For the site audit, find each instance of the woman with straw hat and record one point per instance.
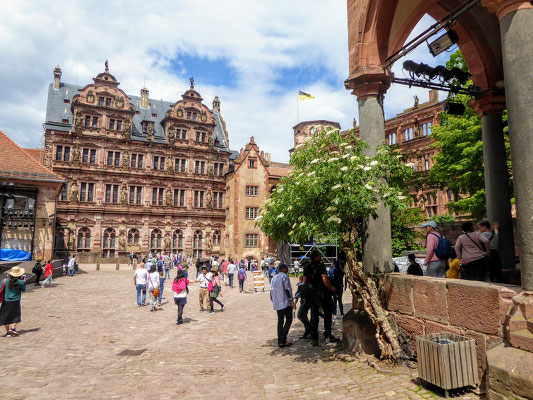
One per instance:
(11, 288)
(215, 291)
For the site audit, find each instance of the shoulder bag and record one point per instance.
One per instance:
(155, 292)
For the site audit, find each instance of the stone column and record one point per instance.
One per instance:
(490, 108)
(516, 27)
(369, 88)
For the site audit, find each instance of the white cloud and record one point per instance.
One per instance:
(256, 38)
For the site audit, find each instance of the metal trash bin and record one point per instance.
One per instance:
(447, 360)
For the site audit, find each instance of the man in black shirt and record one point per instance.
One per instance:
(319, 295)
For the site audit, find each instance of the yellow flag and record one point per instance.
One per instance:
(305, 96)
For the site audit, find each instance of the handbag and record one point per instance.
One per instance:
(155, 292)
(3, 291)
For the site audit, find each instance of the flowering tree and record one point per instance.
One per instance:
(334, 187)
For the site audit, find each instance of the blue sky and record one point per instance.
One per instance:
(253, 54)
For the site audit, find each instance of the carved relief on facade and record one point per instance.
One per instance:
(74, 193)
(126, 160)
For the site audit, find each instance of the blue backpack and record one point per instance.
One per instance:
(444, 247)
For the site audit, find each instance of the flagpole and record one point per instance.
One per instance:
(297, 105)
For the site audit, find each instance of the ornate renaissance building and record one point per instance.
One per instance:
(141, 174)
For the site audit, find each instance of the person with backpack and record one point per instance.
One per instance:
(215, 290)
(180, 289)
(11, 289)
(160, 265)
(231, 272)
(271, 272)
(496, 266)
(241, 274)
(437, 251)
(337, 279)
(473, 249)
(38, 271)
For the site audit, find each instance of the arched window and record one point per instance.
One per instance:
(216, 238)
(108, 246)
(155, 241)
(177, 242)
(197, 245)
(133, 236)
(84, 239)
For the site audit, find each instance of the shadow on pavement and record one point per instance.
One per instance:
(23, 331)
(303, 351)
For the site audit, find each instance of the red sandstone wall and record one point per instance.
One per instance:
(422, 305)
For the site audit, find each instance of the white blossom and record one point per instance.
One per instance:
(367, 168)
(338, 186)
(353, 158)
(334, 219)
(402, 197)
(335, 200)
(374, 163)
(258, 217)
(344, 144)
(346, 156)
(361, 166)
(349, 147)
(410, 165)
(331, 208)
(281, 216)
(333, 159)
(289, 208)
(303, 224)
(368, 186)
(315, 161)
(299, 146)
(344, 169)
(311, 173)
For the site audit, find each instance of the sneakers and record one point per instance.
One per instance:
(223, 308)
(210, 312)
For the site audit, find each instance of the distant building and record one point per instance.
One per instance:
(29, 192)
(249, 183)
(141, 174)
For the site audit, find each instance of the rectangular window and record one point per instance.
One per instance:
(100, 101)
(424, 129)
(215, 168)
(64, 192)
(252, 163)
(197, 167)
(133, 161)
(179, 165)
(119, 125)
(83, 191)
(115, 193)
(85, 156)
(162, 164)
(95, 122)
(189, 115)
(161, 196)
(197, 136)
(108, 102)
(109, 158)
(156, 162)
(135, 195)
(252, 190)
(251, 240)
(157, 196)
(429, 128)
(183, 134)
(410, 133)
(140, 161)
(194, 115)
(117, 159)
(199, 198)
(179, 197)
(66, 155)
(182, 198)
(108, 189)
(90, 192)
(112, 124)
(252, 212)
(145, 127)
(132, 194)
(87, 121)
(59, 153)
(427, 165)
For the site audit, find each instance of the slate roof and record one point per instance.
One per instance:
(17, 163)
(57, 110)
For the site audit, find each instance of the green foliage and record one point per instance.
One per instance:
(443, 218)
(333, 187)
(404, 237)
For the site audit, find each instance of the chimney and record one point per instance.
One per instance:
(216, 105)
(433, 96)
(57, 77)
(144, 98)
(267, 157)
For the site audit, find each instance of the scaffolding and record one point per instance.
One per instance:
(290, 252)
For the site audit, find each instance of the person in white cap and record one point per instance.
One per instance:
(12, 287)
(435, 266)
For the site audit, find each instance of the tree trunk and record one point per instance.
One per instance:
(364, 288)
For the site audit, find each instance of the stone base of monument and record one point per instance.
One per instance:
(359, 333)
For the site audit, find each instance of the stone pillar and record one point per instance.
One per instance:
(369, 88)
(490, 108)
(517, 47)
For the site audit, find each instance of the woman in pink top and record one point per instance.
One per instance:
(473, 250)
(180, 289)
(216, 289)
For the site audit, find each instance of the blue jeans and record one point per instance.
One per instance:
(48, 279)
(71, 272)
(230, 276)
(241, 284)
(139, 289)
(161, 287)
(167, 273)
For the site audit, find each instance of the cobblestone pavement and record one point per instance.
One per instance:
(85, 338)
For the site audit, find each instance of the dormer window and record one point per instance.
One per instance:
(154, 115)
(194, 115)
(108, 102)
(145, 127)
(100, 101)
(252, 163)
(189, 114)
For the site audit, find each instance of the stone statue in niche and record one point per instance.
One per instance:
(171, 135)
(417, 128)
(78, 123)
(74, 193)
(210, 169)
(124, 195)
(150, 136)
(76, 155)
(209, 200)
(211, 141)
(167, 242)
(126, 160)
(169, 198)
(127, 130)
(122, 242)
(208, 242)
(168, 166)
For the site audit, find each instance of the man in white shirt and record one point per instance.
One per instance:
(231, 272)
(283, 303)
(139, 278)
(204, 280)
(71, 267)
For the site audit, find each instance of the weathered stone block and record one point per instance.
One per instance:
(435, 327)
(499, 366)
(399, 295)
(474, 305)
(430, 299)
(481, 351)
(522, 376)
(411, 327)
(359, 333)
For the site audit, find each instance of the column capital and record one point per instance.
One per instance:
(367, 83)
(502, 8)
(491, 102)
